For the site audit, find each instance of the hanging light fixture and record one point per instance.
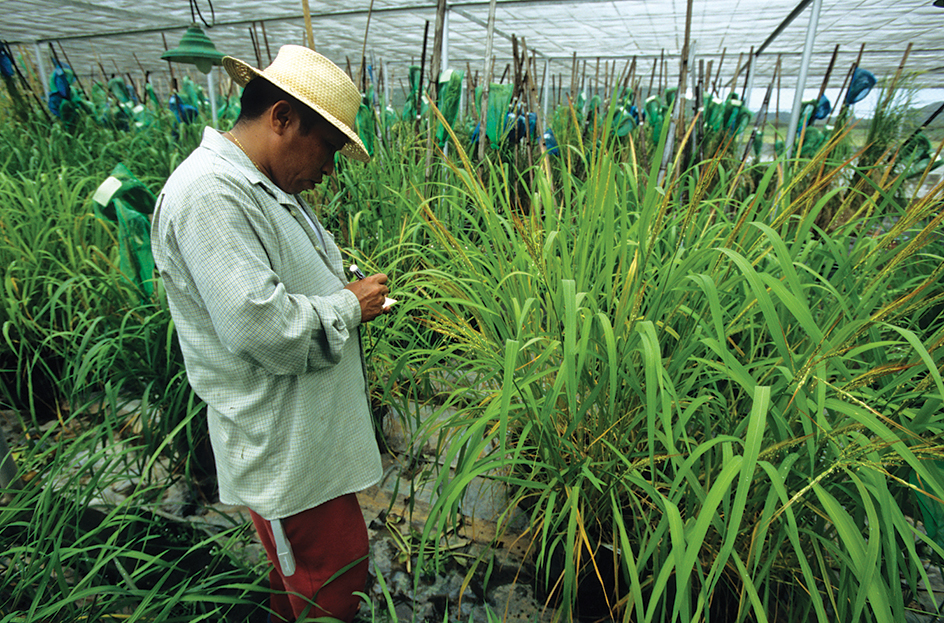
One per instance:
(195, 48)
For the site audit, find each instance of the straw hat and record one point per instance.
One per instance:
(316, 82)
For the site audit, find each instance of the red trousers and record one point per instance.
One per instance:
(324, 540)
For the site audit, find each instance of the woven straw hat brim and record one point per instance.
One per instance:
(242, 72)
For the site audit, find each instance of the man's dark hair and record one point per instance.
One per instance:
(259, 95)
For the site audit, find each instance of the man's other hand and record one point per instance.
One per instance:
(371, 292)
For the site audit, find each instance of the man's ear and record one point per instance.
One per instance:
(281, 116)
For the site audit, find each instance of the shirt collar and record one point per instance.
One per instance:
(229, 151)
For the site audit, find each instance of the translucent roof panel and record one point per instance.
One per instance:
(128, 37)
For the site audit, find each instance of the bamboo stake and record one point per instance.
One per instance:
(255, 45)
(573, 77)
(714, 85)
(419, 90)
(69, 63)
(515, 76)
(890, 91)
(539, 128)
(596, 78)
(661, 70)
(308, 31)
(528, 87)
(679, 94)
(711, 63)
(434, 78)
(361, 73)
(699, 106)
(777, 117)
(737, 73)
(489, 67)
(847, 82)
(266, 39)
(173, 79)
(762, 117)
(652, 78)
(141, 67)
(829, 70)
(747, 75)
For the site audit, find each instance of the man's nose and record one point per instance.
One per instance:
(328, 168)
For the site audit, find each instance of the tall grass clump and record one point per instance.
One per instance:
(91, 369)
(76, 330)
(705, 405)
(76, 544)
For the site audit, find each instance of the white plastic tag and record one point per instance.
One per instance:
(107, 188)
(283, 548)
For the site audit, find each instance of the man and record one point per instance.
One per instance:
(268, 326)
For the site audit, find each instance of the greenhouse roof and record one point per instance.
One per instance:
(129, 36)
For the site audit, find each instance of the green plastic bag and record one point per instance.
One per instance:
(365, 127)
(414, 105)
(499, 99)
(448, 94)
(124, 200)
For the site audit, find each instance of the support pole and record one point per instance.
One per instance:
(445, 41)
(547, 86)
(801, 81)
(211, 89)
(746, 96)
(386, 84)
(44, 86)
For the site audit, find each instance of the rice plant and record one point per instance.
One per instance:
(713, 401)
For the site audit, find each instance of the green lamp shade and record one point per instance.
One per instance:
(195, 48)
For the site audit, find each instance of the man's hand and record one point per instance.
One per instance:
(371, 292)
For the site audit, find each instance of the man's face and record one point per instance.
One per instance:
(307, 158)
